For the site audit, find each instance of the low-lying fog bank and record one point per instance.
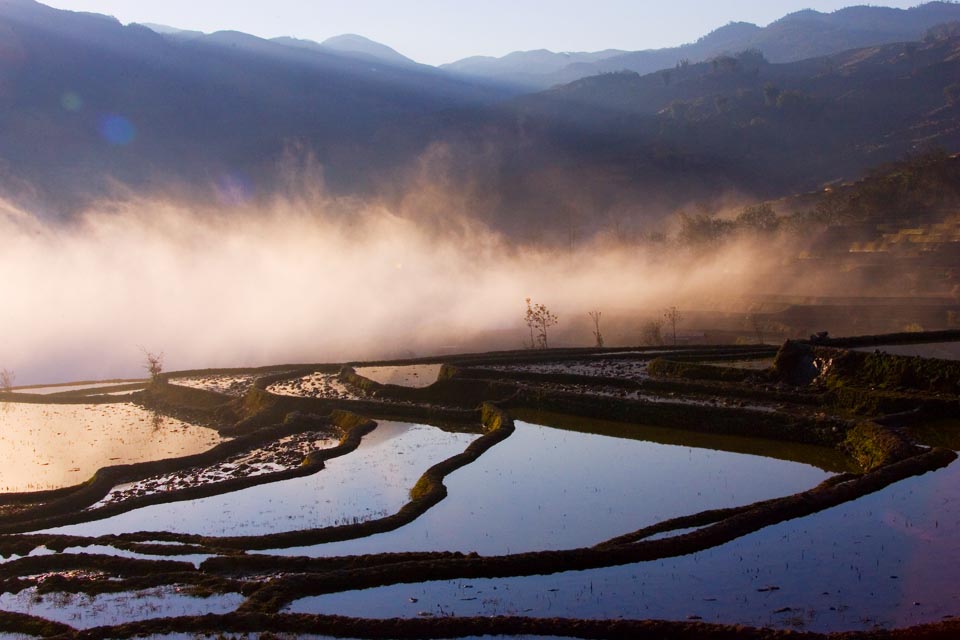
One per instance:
(312, 278)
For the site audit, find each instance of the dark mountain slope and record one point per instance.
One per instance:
(622, 147)
(85, 101)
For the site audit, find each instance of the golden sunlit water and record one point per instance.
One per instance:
(48, 446)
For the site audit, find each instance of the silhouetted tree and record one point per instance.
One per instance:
(539, 319)
(595, 316)
(672, 315)
(6, 380)
(153, 363)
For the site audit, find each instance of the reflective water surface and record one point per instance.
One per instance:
(889, 559)
(415, 375)
(547, 488)
(46, 446)
(371, 482)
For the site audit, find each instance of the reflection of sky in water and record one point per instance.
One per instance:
(416, 375)
(942, 350)
(890, 559)
(83, 611)
(45, 391)
(546, 488)
(45, 446)
(371, 482)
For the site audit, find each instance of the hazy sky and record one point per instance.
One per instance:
(438, 31)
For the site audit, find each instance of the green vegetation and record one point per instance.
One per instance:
(873, 446)
(662, 367)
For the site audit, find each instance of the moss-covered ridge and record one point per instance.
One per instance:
(871, 383)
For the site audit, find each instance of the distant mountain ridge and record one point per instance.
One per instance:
(87, 104)
(797, 36)
(350, 45)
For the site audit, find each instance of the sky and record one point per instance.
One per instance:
(439, 31)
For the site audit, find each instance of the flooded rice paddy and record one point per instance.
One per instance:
(843, 522)
(47, 446)
(941, 350)
(547, 488)
(66, 388)
(889, 559)
(415, 375)
(83, 612)
(372, 482)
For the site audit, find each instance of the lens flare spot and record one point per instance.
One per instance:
(71, 101)
(117, 130)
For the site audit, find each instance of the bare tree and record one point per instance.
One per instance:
(6, 380)
(595, 316)
(539, 319)
(672, 315)
(153, 363)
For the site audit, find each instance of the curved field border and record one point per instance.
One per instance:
(888, 457)
(65, 506)
(328, 575)
(719, 526)
(872, 383)
(692, 387)
(923, 337)
(727, 525)
(456, 387)
(428, 491)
